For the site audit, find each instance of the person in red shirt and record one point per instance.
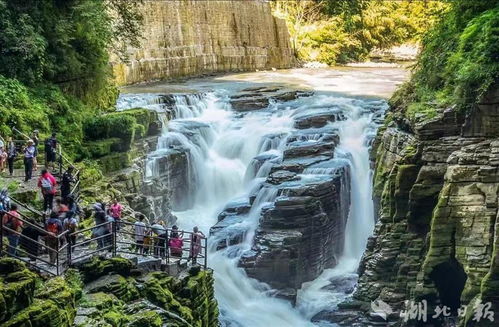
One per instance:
(12, 226)
(47, 184)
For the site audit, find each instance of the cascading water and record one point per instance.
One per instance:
(355, 134)
(230, 155)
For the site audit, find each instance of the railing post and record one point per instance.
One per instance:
(70, 248)
(57, 256)
(1, 232)
(115, 234)
(205, 253)
(78, 183)
(166, 246)
(60, 163)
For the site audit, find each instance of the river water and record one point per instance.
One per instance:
(222, 145)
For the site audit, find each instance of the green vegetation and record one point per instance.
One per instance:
(332, 31)
(459, 61)
(54, 71)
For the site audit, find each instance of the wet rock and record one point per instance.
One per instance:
(436, 185)
(249, 103)
(171, 182)
(235, 207)
(288, 294)
(342, 284)
(282, 176)
(315, 118)
(228, 231)
(324, 134)
(301, 233)
(266, 158)
(258, 98)
(308, 149)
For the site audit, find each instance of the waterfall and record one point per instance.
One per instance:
(229, 157)
(355, 139)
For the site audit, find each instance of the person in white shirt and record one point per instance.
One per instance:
(140, 232)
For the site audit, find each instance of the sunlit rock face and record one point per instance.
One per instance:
(189, 38)
(436, 184)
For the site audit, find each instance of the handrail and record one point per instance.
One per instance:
(63, 251)
(27, 207)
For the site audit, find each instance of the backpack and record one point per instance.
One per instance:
(10, 223)
(46, 185)
(53, 228)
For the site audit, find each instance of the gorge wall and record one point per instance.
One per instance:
(436, 184)
(189, 38)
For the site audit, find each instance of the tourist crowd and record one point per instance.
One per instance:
(9, 151)
(61, 214)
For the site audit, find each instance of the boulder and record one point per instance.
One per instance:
(302, 233)
(315, 118)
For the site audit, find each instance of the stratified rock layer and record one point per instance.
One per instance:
(187, 38)
(437, 185)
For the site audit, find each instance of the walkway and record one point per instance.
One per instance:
(58, 253)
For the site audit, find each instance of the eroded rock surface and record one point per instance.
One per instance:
(436, 185)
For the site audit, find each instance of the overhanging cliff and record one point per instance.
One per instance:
(190, 38)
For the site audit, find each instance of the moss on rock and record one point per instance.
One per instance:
(146, 319)
(98, 267)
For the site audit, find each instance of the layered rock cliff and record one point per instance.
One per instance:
(437, 185)
(189, 38)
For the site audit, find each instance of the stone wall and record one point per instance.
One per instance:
(437, 185)
(189, 38)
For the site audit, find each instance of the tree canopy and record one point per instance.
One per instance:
(340, 31)
(62, 41)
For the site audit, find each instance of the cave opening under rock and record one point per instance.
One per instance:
(449, 278)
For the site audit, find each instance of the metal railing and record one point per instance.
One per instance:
(49, 257)
(62, 161)
(59, 252)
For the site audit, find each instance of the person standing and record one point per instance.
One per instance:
(67, 179)
(29, 242)
(101, 230)
(36, 141)
(140, 232)
(176, 242)
(12, 225)
(70, 224)
(74, 209)
(160, 240)
(54, 228)
(196, 246)
(115, 211)
(11, 155)
(50, 151)
(29, 153)
(47, 184)
(3, 158)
